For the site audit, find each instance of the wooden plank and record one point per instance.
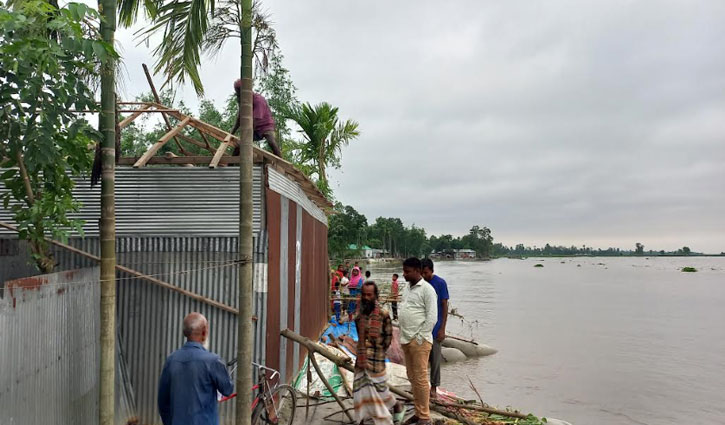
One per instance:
(128, 120)
(165, 138)
(195, 160)
(220, 152)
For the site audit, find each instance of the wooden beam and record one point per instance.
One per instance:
(220, 134)
(128, 120)
(158, 100)
(203, 136)
(195, 160)
(162, 141)
(220, 152)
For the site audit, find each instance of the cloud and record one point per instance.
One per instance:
(563, 122)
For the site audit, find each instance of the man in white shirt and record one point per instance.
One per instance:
(417, 317)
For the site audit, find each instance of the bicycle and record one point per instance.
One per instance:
(272, 404)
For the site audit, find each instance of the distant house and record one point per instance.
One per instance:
(462, 254)
(368, 252)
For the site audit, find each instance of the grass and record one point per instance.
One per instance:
(689, 269)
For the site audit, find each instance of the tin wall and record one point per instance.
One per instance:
(297, 291)
(49, 355)
(167, 201)
(150, 317)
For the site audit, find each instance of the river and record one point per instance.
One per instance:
(592, 340)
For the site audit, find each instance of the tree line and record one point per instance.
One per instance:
(348, 227)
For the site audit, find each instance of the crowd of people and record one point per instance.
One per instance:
(421, 312)
(192, 376)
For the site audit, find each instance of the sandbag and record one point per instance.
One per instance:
(469, 349)
(451, 355)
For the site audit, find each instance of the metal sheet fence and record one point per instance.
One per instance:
(150, 317)
(49, 333)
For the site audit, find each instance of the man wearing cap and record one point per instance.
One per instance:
(263, 121)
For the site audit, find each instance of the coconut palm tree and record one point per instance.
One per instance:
(191, 29)
(324, 136)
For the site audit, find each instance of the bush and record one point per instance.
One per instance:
(689, 269)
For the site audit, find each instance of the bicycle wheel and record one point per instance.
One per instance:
(279, 409)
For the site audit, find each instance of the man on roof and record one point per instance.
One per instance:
(263, 121)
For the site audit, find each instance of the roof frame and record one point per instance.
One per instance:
(219, 153)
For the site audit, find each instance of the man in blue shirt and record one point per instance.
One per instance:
(439, 331)
(191, 378)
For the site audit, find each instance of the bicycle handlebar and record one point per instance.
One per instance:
(258, 366)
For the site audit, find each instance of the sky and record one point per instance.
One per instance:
(567, 122)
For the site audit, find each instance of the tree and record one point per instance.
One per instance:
(346, 226)
(686, 250)
(43, 143)
(191, 29)
(639, 248)
(480, 240)
(324, 136)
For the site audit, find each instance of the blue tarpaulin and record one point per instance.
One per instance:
(335, 330)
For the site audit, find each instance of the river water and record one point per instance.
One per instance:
(592, 340)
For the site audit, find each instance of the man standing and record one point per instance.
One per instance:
(191, 378)
(418, 312)
(439, 330)
(371, 396)
(262, 120)
(394, 289)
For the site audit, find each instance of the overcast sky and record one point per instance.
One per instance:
(600, 123)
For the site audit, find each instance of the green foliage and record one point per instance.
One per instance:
(190, 29)
(324, 136)
(538, 265)
(44, 54)
(689, 269)
(345, 226)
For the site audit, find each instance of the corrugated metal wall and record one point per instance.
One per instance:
(168, 201)
(49, 355)
(150, 317)
(298, 286)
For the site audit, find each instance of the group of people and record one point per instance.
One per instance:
(422, 319)
(345, 286)
(193, 375)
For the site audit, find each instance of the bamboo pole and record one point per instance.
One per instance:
(245, 337)
(107, 127)
(329, 387)
(439, 407)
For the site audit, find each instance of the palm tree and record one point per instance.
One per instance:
(192, 28)
(324, 136)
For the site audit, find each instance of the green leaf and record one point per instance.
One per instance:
(100, 51)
